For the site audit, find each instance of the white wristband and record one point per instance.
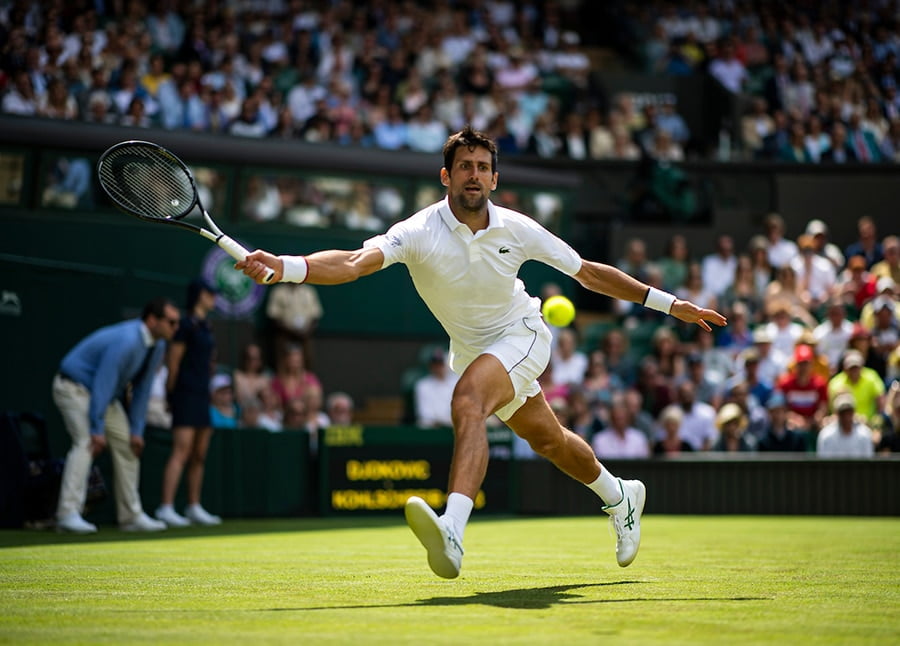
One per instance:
(295, 269)
(659, 300)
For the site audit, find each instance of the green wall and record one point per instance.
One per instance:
(75, 272)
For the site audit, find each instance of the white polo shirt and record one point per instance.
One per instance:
(470, 281)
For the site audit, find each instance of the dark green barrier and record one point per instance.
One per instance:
(249, 473)
(371, 470)
(375, 469)
(719, 484)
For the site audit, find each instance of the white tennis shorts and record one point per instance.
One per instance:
(524, 351)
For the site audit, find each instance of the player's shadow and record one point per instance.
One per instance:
(528, 598)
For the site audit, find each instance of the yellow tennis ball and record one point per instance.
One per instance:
(558, 311)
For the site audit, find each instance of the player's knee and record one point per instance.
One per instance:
(467, 407)
(548, 445)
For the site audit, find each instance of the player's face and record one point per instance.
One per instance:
(471, 179)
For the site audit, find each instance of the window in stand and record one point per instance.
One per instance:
(544, 206)
(67, 182)
(322, 201)
(12, 177)
(212, 188)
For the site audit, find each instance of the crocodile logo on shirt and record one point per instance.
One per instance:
(504, 249)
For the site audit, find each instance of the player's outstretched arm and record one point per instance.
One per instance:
(331, 267)
(609, 280)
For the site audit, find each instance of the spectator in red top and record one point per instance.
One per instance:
(806, 393)
(856, 284)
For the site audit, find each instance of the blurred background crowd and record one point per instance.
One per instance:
(811, 81)
(809, 360)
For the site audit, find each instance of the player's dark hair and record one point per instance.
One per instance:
(156, 307)
(471, 139)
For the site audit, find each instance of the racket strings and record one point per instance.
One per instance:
(143, 180)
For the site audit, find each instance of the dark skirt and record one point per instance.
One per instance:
(190, 408)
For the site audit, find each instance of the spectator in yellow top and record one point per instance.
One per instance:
(866, 386)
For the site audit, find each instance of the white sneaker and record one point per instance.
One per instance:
(170, 517)
(199, 516)
(625, 517)
(444, 549)
(143, 523)
(75, 524)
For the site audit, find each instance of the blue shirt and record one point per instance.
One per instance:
(220, 420)
(105, 362)
(390, 135)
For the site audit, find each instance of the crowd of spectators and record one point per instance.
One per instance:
(396, 75)
(809, 360)
(253, 396)
(812, 83)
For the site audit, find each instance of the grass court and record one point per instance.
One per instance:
(736, 580)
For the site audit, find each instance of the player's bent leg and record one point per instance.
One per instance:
(536, 423)
(483, 387)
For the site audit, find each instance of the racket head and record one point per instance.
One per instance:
(146, 180)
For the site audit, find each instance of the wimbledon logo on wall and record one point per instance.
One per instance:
(238, 295)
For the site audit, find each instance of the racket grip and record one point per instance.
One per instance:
(237, 251)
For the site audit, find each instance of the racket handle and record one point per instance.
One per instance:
(237, 251)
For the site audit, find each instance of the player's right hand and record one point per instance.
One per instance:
(257, 263)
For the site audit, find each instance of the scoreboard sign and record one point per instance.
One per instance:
(376, 469)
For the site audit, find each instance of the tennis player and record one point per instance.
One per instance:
(463, 254)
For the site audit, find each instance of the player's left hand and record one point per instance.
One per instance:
(690, 313)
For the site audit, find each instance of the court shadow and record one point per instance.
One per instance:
(522, 598)
(540, 598)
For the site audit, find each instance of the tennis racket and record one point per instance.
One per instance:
(147, 181)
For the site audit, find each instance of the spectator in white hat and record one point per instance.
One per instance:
(833, 334)
(732, 424)
(781, 250)
(845, 436)
(819, 231)
(886, 289)
(815, 274)
(222, 409)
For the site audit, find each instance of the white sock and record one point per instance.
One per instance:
(459, 506)
(164, 508)
(607, 487)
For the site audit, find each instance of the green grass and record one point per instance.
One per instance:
(525, 581)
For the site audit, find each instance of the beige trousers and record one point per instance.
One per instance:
(73, 400)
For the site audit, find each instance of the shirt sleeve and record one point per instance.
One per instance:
(106, 381)
(546, 247)
(398, 244)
